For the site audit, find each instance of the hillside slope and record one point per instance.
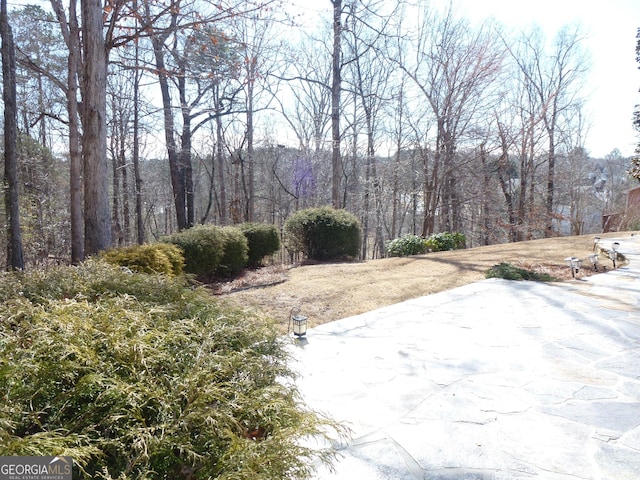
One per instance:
(328, 292)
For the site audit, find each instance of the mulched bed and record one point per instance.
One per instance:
(261, 277)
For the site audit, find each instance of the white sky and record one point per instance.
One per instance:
(612, 89)
(614, 82)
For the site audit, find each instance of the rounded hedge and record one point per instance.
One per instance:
(323, 233)
(263, 240)
(406, 245)
(211, 249)
(235, 254)
(440, 242)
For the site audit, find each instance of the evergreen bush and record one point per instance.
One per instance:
(202, 247)
(263, 240)
(235, 252)
(211, 250)
(508, 271)
(323, 233)
(162, 258)
(440, 242)
(140, 376)
(406, 245)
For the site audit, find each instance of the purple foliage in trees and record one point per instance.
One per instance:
(303, 179)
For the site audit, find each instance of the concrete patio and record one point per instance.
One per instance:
(496, 380)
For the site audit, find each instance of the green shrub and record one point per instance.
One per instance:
(235, 255)
(263, 240)
(511, 272)
(160, 258)
(202, 247)
(406, 245)
(139, 376)
(440, 242)
(211, 249)
(323, 233)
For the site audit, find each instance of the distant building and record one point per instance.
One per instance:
(633, 209)
(630, 219)
(633, 198)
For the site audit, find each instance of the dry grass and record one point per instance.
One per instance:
(329, 292)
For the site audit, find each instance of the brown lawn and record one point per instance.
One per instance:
(331, 291)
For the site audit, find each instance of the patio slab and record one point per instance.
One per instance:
(495, 380)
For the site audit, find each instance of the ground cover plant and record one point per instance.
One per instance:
(143, 376)
(508, 271)
(155, 258)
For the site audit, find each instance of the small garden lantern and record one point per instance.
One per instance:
(297, 322)
(613, 253)
(596, 239)
(574, 264)
(593, 258)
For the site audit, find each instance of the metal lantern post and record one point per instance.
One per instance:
(297, 322)
(593, 258)
(613, 253)
(596, 239)
(574, 264)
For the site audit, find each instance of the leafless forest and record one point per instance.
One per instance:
(134, 119)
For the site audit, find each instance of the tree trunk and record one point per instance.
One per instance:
(211, 187)
(485, 211)
(97, 218)
(366, 201)
(250, 193)
(551, 180)
(176, 172)
(15, 258)
(75, 141)
(222, 206)
(395, 212)
(136, 147)
(184, 156)
(504, 179)
(118, 237)
(177, 181)
(71, 33)
(335, 103)
(395, 230)
(522, 197)
(431, 190)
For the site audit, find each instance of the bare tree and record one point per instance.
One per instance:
(40, 57)
(452, 67)
(368, 80)
(137, 76)
(70, 30)
(258, 44)
(554, 79)
(97, 217)
(121, 108)
(336, 89)
(15, 258)
(174, 32)
(308, 78)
